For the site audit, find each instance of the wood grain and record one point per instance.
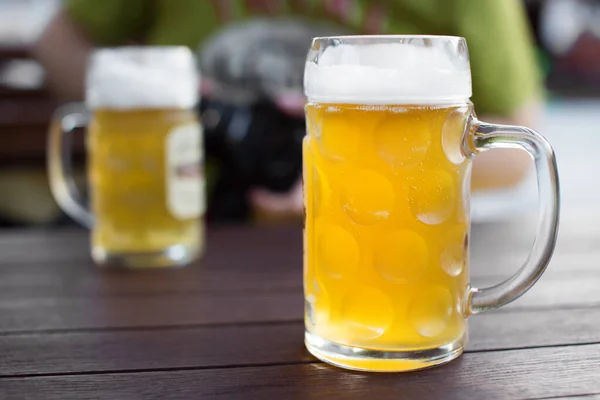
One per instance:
(501, 244)
(58, 265)
(531, 373)
(231, 326)
(119, 312)
(263, 303)
(58, 282)
(220, 346)
(238, 248)
(274, 271)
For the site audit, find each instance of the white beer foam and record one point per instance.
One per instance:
(142, 77)
(387, 73)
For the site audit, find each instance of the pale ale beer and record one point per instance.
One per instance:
(145, 157)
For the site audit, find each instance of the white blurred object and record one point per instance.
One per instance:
(573, 129)
(563, 21)
(22, 74)
(504, 204)
(594, 17)
(22, 21)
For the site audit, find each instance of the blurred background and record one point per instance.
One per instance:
(567, 50)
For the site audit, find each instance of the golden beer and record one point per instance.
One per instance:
(129, 171)
(386, 226)
(145, 156)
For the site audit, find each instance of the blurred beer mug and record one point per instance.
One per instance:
(145, 154)
(387, 168)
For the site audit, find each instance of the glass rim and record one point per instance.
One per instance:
(389, 37)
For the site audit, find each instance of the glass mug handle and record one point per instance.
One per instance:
(64, 121)
(483, 136)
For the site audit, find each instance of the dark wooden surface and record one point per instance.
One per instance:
(231, 325)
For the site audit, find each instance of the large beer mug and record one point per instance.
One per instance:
(387, 168)
(144, 146)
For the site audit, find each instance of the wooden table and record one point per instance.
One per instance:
(231, 327)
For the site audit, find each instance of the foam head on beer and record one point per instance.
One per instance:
(142, 78)
(397, 72)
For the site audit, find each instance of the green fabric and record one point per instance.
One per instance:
(505, 71)
(112, 22)
(504, 67)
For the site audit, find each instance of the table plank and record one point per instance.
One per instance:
(225, 246)
(36, 248)
(275, 271)
(150, 311)
(220, 346)
(29, 313)
(220, 270)
(58, 282)
(531, 373)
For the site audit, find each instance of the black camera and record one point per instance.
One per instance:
(250, 65)
(253, 146)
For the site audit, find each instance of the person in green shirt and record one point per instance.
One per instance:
(507, 83)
